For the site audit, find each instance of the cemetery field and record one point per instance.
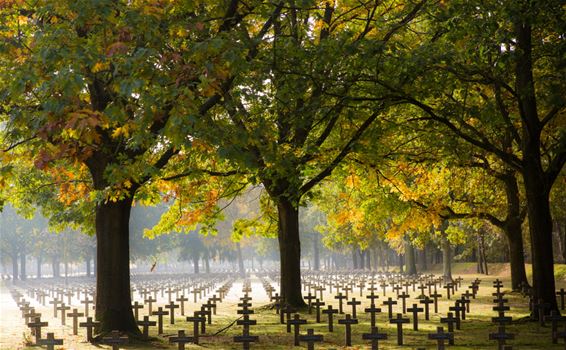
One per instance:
(473, 334)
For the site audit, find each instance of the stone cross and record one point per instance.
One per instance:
(310, 338)
(160, 313)
(181, 301)
(317, 304)
(348, 322)
(374, 336)
(36, 325)
(372, 311)
(426, 301)
(561, 294)
(404, 297)
(501, 337)
(149, 301)
(172, 306)
(55, 302)
(137, 306)
(450, 320)
(181, 339)
(63, 309)
(399, 320)
(354, 303)
(435, 297)
(196, 320)
(415, 311)
(441, 337)
(89, 325)
(87, 302)
(297, 322)
(115, 340)
(554, 318)
(146, 323)
(330, 312)
(50, 341)
(340, 298)
(75, 316)
(390, 302)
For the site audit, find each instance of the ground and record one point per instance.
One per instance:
(473, 334)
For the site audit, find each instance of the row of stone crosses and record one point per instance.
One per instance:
(343, 288)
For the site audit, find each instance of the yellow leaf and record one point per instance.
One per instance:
(100, 66)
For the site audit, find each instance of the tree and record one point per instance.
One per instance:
(487, 81)
(98, 93)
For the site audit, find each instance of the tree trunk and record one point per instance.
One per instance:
(536, 181)
(410, 264)
(66, 266)
(196, 269)
(480, 255)
(39, 258)
(290, 252)
(87, 261)
(23, 276)
(316, 253)
(113, 300)
(15, 273)
(354, 258)
(55, 268)
(561, 230)
(368, 259)
(362, 260)
(446, 259)
(513, 232)
(94, 262)
(401, 263)
(206, 263)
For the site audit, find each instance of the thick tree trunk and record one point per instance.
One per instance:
(362, 260)
(446, 259)
(514, 233)
(355, 264)
(401, 263)
(479, 256)
(536, 181)
(316, 253)
(113, 300)
(15, 273)
(206, 263)
(410, 264)
(368, 259)
(290, 252)
(23, 275)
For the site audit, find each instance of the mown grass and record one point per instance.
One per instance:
(473, 334)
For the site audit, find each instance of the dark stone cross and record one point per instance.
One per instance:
(36, 325)
(403, 296)
(296, 322)
(340, 298)
(448, 287)
(246, 322)
(399, 320)
(309, 298)
(246, 339)
(63, 308)
(459, 312)
(136, 307)
(541, 307)
(374, 336)
(206, 315)
(372, 297)
(501, 320)
(390, 302)
(55, 302)
(288, 311)
(415, 311)
(426, 301)
(115, 340)
(501, 337)
(422, 288)
(554, 318)
(149, 301)
(146, 323)
(435, 297)
(214, 300)
(330, 312)
(75, 316)
(160, 313)
(87, 302)
(317, 304)
(278, 302)
(181, 339)
(441, 337)
(348, 322)
(196, 320)
(310, 338)
(372, 311)
(50, 341)
(89, 325)
(354, 303)
(172, 306)
(450, 320)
